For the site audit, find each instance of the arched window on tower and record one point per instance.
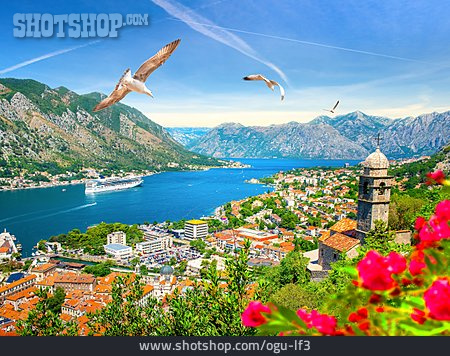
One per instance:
(382, 188)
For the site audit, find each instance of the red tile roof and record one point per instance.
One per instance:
(43, 268)
(344, 225)
(17, 283)
(341, 242)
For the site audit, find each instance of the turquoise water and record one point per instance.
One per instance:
(34, 214)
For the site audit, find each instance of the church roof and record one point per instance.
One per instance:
(166, 270)
(341, 242)
(377, 160)
(344, 225)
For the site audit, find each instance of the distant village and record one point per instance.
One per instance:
(321, 213)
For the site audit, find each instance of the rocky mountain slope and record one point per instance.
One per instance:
(187, 135)
(41, 126)
(349, 136)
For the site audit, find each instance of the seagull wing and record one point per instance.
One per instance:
(282, 91)
(273, 82)
(255, 77)
(149, 66)
(335, 105)
(114, 97)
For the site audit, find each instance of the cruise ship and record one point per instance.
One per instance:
(111, 184)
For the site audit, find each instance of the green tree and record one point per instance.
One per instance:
(294, 297)
(199, 245)
(143, 270)
(181, 268)
(403, 211)
(56, 301)
(100, 269)
(292, 269)
(41, 246)
(126, 315)
(43, 321)
(27, 264)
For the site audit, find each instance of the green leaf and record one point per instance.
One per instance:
(350, 270)
(423, 330)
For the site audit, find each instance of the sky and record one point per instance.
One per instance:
(382, 57)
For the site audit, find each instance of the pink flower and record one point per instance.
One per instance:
(376, 271)
(252, 316)
(437, 177)
(396, 262)
(305, 316)
(437, 299)
(437, 229)
(420, 223)
(325, 324)
(443, 210)
(417, 263)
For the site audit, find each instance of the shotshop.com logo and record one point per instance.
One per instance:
(74, 25)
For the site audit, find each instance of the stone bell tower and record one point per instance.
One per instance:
(374, 192)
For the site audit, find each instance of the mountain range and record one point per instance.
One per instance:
(186, 135)
(41, 126)
(349, 136)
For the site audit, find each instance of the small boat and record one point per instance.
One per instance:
(63, 190)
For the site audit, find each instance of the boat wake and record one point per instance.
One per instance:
(48, 215)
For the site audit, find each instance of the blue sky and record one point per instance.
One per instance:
(388, 58)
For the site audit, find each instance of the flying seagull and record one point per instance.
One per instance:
(270, 83)
(128, 83)
(334, 107)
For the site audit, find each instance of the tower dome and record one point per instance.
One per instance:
(377, 160)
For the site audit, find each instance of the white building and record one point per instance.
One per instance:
(194, 266)
(195, 229)
(117, 237)
(154, 245)
(290, 202)
(118, 251)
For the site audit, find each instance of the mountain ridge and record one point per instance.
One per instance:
(348, 136)
(40, 126)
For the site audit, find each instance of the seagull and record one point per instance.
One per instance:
(270, 83)
(128, 83)
(334, 107)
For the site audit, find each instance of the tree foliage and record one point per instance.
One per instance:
(92, 241)
(44, 319)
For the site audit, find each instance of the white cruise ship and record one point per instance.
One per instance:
(111, 184)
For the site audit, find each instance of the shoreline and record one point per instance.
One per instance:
(211, 213)
(83, 181)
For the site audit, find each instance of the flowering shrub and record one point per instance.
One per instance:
(402, 295)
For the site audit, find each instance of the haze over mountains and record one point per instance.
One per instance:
(39, 124)
(186, 135)
(349, 136)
